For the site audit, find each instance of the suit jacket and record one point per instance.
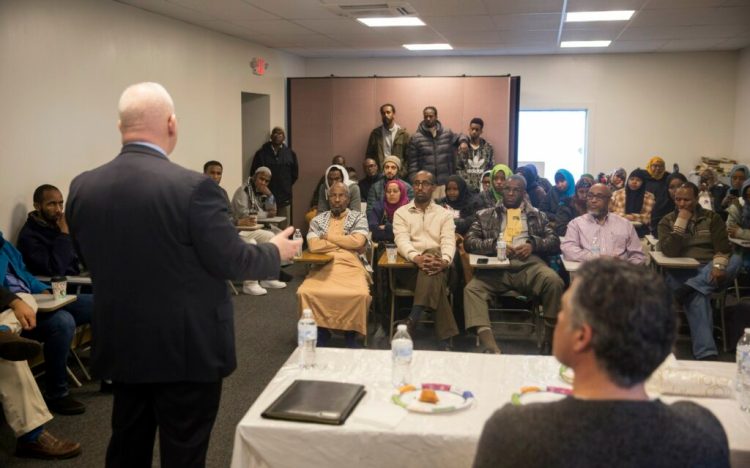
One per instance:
(160, 246)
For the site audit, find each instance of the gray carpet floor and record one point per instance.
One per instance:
(265, 335)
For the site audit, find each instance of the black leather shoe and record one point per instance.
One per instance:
(16, 348)
(66, 405)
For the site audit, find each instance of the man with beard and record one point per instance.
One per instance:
(387, 140)
(391, 169)
(338, 292)
(425, 235)
(44, 241)
(692, 231)
(372, 176)
(282, 162)
(529, 239)
(432, 149)
(600, 233)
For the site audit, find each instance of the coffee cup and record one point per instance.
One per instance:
(59, 287)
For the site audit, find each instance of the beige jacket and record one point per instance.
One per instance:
(416, 231)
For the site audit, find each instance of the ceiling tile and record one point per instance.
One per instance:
(472, 37)
(673, 17)
(731, 15)
(682, 32)
(226, 9)
(733, 44)
(691, 44)
(579, 35)
(294, 9)
(461, 23)
(339, 25)
(604, 5)
(656, 4)
(427, 8)
(534, 37)
(527, 21)
(504, 7)
(636, 46)
(273, 27)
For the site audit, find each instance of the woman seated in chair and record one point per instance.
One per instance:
(738, 222)
(380, 219)
(634, 203)
(461, 202)
(494, 194)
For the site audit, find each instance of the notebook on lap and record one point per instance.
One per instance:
(316, 401)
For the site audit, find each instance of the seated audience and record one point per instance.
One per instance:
(391, 170)
(352, 174)
(617, 179)
(536, 192)
(712, 191)
(380, 219)
(460, 202)
(55, 329)
(336, 173)
(737, 177)
(600, 233)
(572, 207)
(425, 235)
(321, 187)
(44, 240)
(337, 293)
(564, 188)
(494, 195)
(529, 241)
(656, 184)
(22, 402)
(674, 181)
(485, 181)
(738, 221)
(214, 170)
(691, 231)
(251, 201)
(474, 155)
(633, 202)
(613, 340)
(372, 176)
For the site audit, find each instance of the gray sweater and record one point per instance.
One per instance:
(596, 433)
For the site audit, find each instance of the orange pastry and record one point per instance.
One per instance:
(428, 396)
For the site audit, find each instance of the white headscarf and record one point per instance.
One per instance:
(344, 173)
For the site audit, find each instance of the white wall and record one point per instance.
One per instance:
(742, 113)
(64, 64)
(679, 106)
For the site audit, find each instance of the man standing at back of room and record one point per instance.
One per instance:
(432, 149)
(388, 139)
(160, 246)
(282, 162)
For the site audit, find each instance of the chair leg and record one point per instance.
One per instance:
(80, 364)
(234, 289)
(73, 377)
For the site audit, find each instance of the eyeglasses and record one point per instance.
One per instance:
(422, 183)
(591, 196)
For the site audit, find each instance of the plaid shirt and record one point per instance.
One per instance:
(617, 206)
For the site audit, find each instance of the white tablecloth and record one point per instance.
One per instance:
(417, 440)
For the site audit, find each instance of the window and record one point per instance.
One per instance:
(552, 140)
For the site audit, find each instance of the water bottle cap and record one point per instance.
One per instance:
(307, 313)
(401, 327)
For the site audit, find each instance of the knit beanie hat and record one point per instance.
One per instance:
(393, 159)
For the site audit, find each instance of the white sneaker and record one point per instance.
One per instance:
(253, 288)
(273, 284)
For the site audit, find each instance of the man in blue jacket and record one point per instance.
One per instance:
(55, 329)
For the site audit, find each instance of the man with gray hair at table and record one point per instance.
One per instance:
(600, 232)
(613, 340)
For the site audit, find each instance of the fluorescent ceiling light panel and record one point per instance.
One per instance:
(428, 46)
(391, 22)
(581, 16)
(569, 44)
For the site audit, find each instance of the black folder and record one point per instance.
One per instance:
(316, 401)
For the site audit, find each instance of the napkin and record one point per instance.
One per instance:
(672, 379)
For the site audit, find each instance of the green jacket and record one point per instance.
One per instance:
(704, 238)
(375, 147)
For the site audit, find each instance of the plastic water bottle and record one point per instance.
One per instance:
(502, 249)
(596, 249)
(402, 348)
(307, 339)
(270, 203)
(298, 236)
(743, 371)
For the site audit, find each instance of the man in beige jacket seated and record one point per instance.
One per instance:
(23, 405)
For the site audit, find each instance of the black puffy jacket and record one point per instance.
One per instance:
(436, 155)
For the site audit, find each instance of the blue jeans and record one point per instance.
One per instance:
(698, 308)
(56, 330)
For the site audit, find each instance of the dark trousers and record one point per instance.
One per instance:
(184, 413)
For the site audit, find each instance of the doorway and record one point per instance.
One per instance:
(256, 121)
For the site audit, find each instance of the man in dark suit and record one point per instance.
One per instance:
(160, 246)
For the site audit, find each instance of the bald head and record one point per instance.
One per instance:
(146, 113)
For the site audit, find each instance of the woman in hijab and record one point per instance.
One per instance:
(535, 191)
(492, 197)
(564, 188)
(380, 218)
(572, 207)
(617, 179)
(674, 181)
(634, 203)
(656, 183)
(712, 191)
(486, 180)
(460, 201)
(337, 173)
